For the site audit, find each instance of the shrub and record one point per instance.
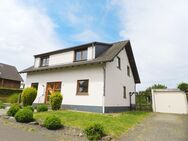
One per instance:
(42, 108)
(13, 98)
(56, 100)
(183, 86)
(94, 132)
(1, 105)
(13, 110)
(29, 107)
(24, 115)
(28, 96)
(52, 122)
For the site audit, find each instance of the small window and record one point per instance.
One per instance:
(118, 63)
(124, 92)
(128, 71)
(82, 87)
(81, 55)
(35, 85)
(44, 61)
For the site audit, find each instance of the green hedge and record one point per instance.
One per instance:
(5, 93)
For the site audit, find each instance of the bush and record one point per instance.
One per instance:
(13, 110)
(56, 100)
(42, 108)
(183, 86)
(29, 107)
(28, 96)
(94, 132)
(25, 115)
(52, 122)
(1, 105)
(13, 98)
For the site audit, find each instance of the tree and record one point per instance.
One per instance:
(183, 86)
(155, 86)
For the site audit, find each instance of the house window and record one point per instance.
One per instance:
(44, 61)
(82, 87)
(80, 55)
(124, 92)
(128, 71)
(118, 63)
(35, 85)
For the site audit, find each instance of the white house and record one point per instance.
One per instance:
(96, 77)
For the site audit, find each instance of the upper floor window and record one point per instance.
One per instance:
(81, 55)
(128, 71)
(82, 87)
(118, 63)
(44, 61)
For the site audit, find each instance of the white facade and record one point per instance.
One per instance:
(106, 81)
(169, 101)
(116, 79)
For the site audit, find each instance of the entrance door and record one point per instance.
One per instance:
(51, 88)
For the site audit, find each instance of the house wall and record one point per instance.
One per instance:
(115, 80)
(69, 77)
(9, 83)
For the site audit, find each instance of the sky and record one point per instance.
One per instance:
(157, 29)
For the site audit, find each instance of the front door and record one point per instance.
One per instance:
(51, 88)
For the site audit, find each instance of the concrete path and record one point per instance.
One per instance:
(160, 127)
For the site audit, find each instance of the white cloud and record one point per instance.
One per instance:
(158, 32)
(24, 31)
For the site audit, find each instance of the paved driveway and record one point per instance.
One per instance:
(160, 127)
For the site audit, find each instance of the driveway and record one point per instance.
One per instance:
(160, 127)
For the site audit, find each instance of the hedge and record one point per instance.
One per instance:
(5, 93)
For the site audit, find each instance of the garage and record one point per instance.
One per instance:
(169, 101)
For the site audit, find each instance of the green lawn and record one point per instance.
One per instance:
(114, 124)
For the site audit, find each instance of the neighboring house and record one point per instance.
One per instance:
(9, 76)
(95, 77)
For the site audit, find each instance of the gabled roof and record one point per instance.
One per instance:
(9, 72)
(107, 56)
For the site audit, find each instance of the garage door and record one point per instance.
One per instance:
(169, 101)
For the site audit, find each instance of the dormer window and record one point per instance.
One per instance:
(44, 61)
(80, 55)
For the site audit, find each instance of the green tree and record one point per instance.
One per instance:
(183, 86)
(155, 86)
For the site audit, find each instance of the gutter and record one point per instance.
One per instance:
(104, 87)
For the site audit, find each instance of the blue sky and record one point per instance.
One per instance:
(157, 30)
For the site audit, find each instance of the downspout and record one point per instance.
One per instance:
(104, 88)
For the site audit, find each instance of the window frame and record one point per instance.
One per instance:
(35, 83)
(118, 62)
(128, 71)
(124, 92)
(78, 86)
(46, 61)
(81, 57)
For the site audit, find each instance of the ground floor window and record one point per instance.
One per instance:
(124, 92)
(82, 87)
(35, 85)
(51, 88)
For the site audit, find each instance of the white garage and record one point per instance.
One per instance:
(169, 101)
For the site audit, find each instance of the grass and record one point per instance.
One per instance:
(114, 124)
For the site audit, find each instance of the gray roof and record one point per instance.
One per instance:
(9, 72)
(107, 56)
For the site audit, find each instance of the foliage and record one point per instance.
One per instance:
(13, 110)
(56, 100)
(13, 98)
(183, 86)
(155, 86)
(25, 115)
(1, 105)
(52, 122)
(114, 124)
(5, 93)
(28, 96)
(29, 107)
(94, 132)
(42, 108)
